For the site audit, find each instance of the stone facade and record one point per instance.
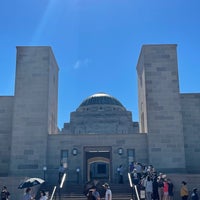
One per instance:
(190, 108)
(160, 108)
(6, 112)
(95, 142)
(34, 108)
(101, 134)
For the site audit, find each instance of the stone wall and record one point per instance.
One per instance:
(6, 109)
(159, 105)
(59, 142)
(35, 109)
(101, 119)
(191, 126)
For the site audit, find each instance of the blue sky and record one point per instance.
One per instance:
(97, 43)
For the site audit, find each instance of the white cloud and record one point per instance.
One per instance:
(77, 64)
(81, 63)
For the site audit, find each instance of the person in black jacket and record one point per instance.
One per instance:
(155, 195)
(90, 195)
(194, 195)
(4, 193)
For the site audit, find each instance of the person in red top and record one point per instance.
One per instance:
(165, 190)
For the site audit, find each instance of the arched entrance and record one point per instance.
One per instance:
(97, 163)
(98, 168)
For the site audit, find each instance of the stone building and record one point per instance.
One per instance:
(101, 134)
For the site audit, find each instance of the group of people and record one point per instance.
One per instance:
(93, 194)
(5, 194)
(29, 196)
(156, 186)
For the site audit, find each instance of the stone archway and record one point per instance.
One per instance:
(98, 163)
(98, 168)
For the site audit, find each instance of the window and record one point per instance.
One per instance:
(64, 158)
(130, 155)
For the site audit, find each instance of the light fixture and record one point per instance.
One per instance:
(77, 172)
(77, 169)
(120, 151)
(44, 168)
(65, 165)
(74, 151)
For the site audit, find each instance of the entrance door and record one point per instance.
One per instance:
(98, 168)
(98, 165)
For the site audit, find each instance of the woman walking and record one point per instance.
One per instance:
(184, 191)
(148, 188)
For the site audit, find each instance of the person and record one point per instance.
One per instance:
(165, 190)
(170, 190)
(160, 186)
(108, 194)
(43, 195)
(131, 167)
(121, 171)
(194, 195)
(4, 193)
(155, 195)
(95, 193)
(138, 168)
(90, 195)
(148, 188)
(134, 177)
(61, 171)
(27, 195)
(184, 191)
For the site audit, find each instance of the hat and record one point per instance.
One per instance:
(105, 185)
(194, 189)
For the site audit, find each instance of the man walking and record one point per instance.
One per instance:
(108, 195)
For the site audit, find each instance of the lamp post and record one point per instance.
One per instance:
(44, 172)
(77, 173)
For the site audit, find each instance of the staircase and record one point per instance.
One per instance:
(72, 191)
(76, 192)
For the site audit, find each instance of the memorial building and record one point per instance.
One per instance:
(101, 133)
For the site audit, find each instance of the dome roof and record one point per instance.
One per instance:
(101, 99)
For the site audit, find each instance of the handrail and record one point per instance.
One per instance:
(132, 185)
(54, 189)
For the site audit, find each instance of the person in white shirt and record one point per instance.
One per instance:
(108, 194)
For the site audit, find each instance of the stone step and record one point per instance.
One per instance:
(73, 191)
(82, 197)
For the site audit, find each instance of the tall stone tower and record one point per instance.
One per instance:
(159, 106)
(34, 110)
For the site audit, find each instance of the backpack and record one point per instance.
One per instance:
(3, 195)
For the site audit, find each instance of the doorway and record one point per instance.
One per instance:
(97, 163)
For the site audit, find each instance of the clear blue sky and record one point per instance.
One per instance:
(97, 43)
